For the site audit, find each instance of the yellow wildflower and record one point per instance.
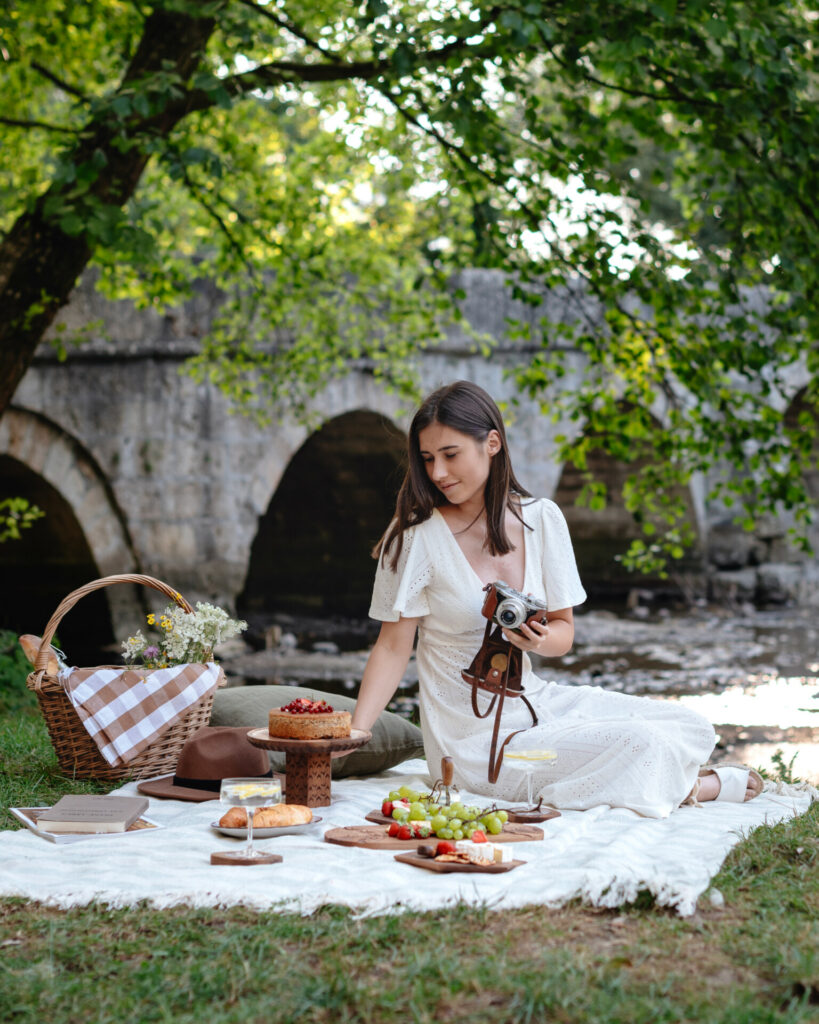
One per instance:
(151, 619)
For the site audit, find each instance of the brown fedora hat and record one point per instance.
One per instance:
(211, 754)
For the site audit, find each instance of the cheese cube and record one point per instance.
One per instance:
(478, 853)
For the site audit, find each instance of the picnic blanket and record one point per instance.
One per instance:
(125, 711)
(604, 856)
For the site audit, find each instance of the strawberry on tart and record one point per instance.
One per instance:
(304, 719)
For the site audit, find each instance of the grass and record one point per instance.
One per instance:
(754, 959)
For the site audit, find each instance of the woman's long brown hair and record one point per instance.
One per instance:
(465, 407)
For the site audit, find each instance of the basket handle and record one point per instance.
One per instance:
(68, 603)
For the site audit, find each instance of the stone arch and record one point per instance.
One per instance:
(57, 470)
(599, 536)
(311, 553)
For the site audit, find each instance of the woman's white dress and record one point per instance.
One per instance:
(636, 752)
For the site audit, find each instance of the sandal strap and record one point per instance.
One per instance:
(733, 783)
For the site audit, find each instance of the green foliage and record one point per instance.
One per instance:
(17, 514)
(782, 771)
(14, 668)
(649, 164)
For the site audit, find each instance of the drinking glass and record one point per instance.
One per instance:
(527, 761)
(250, 794)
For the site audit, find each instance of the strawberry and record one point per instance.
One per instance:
(393, 829)
(386, 808)
(421, 829)
(444, 846)
(404, 832)
(478, 836)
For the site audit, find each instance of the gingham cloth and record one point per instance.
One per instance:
(124, 711)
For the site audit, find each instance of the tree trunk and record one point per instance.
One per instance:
(39, 262)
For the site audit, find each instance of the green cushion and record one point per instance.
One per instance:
(394, 738)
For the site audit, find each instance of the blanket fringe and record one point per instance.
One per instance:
(791, 789)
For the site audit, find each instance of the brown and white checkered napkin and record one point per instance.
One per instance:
(125, 711)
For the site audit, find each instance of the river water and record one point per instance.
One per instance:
(754, 675)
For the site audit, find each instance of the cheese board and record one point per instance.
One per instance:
(374, 837)
(448, 867)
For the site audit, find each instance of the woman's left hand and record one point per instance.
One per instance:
(532, 637)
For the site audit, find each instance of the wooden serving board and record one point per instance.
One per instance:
(447, 867)
(514, 816)
(374, 837)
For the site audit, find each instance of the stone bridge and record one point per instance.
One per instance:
(140, 469)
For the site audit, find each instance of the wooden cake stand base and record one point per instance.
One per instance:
(308, 763)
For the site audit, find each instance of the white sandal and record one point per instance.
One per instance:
(734, 780)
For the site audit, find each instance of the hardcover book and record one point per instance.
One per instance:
(29, 816)
(93, 814)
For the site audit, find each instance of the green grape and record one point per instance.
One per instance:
(469, 829)
(394, 795)
(504, 817)
(408, 794)
(459, 810)
(445, 833)
(438, 822)
(400, 813)
(457, 833)
(494, 824)
(455, 822)
(417, 812)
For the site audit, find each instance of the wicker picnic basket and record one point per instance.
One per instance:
(77, 754)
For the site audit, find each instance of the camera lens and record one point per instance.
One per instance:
(511, 613)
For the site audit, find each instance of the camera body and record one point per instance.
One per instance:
(509, 609)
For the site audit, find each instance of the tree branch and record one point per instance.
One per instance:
(65, 86)
(292, 28)
(14, 122)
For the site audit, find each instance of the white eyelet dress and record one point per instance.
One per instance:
(637, 752)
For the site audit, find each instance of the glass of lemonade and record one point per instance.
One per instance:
(250, 794)
(527, 761)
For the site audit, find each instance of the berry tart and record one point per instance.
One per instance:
(304, 719)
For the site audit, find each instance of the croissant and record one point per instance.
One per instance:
(278, 816)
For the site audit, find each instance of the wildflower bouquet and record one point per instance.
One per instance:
(183, 637)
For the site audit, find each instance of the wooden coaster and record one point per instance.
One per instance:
(238, 857)
(533, 817)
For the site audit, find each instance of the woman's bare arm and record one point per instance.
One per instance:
(385, 667)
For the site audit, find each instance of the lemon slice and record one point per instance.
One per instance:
(248, 789)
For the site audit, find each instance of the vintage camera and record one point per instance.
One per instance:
(509, 608)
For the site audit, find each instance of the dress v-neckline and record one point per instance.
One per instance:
(462, 553)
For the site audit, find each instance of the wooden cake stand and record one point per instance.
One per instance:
(308, 763)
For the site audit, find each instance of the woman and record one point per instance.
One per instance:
(463, 521)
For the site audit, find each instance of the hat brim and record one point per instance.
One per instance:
(165, 789)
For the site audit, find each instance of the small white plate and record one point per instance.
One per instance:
(263, 833)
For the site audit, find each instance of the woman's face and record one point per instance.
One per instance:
(456, 463)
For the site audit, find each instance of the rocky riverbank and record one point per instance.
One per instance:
(754, 674)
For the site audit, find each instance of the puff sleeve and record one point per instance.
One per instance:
(403, 592)
(561, 580)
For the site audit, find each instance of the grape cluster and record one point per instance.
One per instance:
(458, 821)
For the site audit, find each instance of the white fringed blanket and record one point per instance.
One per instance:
(603, 856)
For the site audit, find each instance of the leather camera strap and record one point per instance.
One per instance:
(497, 669)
